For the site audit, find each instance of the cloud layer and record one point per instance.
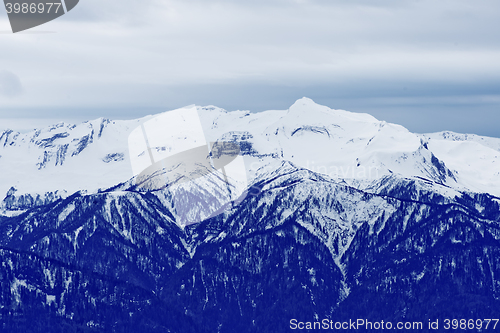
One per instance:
(404, 57)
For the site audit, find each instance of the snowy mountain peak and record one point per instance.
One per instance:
(305, 104)
(305, 108)
(346, 146)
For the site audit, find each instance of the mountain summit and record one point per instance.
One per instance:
(62, 159)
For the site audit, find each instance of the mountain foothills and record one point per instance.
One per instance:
(346, 217)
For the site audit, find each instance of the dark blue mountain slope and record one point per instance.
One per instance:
(301, 247)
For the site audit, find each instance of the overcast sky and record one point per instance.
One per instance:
(427, 65)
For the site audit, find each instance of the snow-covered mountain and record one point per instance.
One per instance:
(346, 217)
(48, 163)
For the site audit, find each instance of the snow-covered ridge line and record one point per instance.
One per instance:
(358, 148)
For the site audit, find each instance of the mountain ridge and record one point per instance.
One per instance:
(344, 145)
(303, 246)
